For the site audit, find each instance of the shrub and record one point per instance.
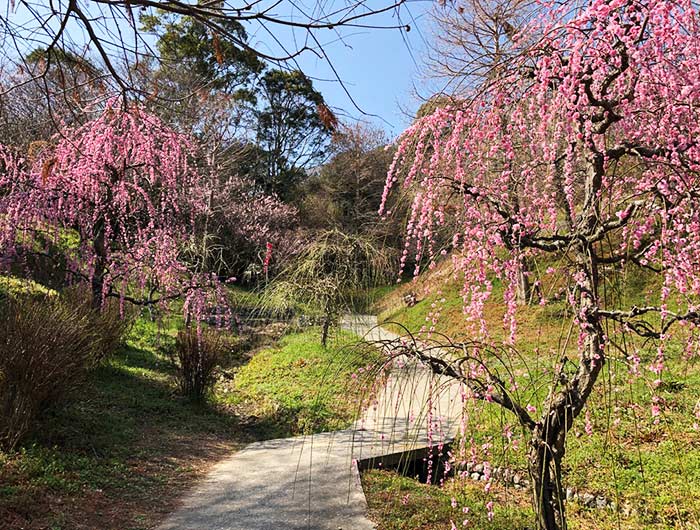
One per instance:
(197, 355)
(111, 327)
(110, 323)
(46, 346)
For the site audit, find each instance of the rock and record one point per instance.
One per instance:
(482, 478)
(569, 494)
(517, 479)
(601, 502)
(479, 468)
(588, 500)
(410, 299)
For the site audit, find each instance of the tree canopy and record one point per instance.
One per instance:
(293, 129)
(119, 196)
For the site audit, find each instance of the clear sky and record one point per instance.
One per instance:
(379, 67)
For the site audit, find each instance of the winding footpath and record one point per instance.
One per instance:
(312, 482)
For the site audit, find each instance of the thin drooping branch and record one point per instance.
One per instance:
(461, 361)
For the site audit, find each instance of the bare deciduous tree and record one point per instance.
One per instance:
(473, 40)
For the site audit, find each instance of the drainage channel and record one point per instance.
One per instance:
(425, 464)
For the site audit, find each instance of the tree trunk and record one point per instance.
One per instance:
(97, 289)
(544, 462)
(326, 327)
(523, 287)
(98, 276)
(548, 442)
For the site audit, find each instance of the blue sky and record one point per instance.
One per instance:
(379, 67)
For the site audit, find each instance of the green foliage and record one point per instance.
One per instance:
(61, 58)
(259, 302)
(44, 259)
(13, 287)
(240, 298)
(364, 301)
(291, 130)
(184, 42)
(346, 192)
(155, 335)
(299, 386)
(329, 273)
(203, 83)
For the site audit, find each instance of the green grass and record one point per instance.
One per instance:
(414, 318)
(298, 386)
(247, 300)
(12, 286)
(240, 297)
(126, 442)
(651, 470)
(365, 301)
(400, 503)
(123, 450)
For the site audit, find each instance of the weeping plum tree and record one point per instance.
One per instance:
(328, 274)
(585, 153)
(122, 194)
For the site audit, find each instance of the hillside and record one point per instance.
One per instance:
(646, 468)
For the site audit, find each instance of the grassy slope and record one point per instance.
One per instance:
(400, 503)
(13, 286)
(652, 470)
(298, 386)
(119, 456)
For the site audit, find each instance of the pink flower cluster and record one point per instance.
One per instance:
(120, 196)
(614, 86)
